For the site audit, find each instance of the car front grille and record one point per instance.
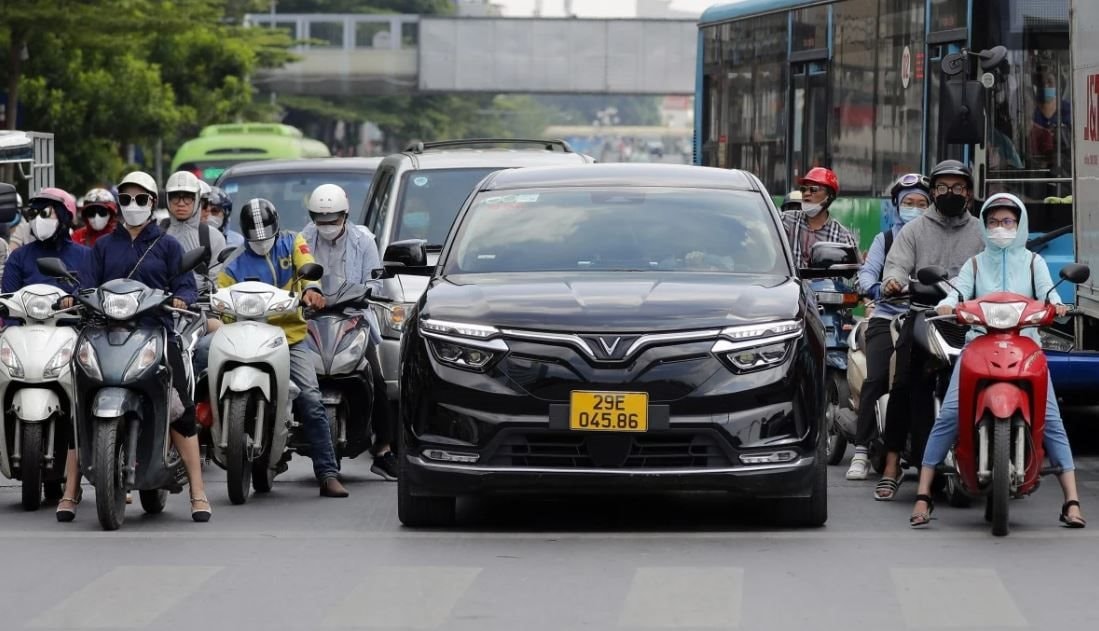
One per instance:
(687, 449)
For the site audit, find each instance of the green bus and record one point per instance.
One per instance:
(219, 147)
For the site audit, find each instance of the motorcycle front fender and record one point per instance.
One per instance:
(111, 403)
(245, 378)
(1002, 400)
(35, 405)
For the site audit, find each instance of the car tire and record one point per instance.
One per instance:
(416, 511)
(812, 511)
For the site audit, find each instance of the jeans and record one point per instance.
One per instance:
(878, 350)
(945, 430)
(309, 410)
(911, 400)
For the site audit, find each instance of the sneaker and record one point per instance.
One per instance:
(385, 466)
(860, 467)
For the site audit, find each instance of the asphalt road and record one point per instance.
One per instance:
(292, 560)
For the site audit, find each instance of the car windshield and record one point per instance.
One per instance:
(431, 199)
(289, 192)
(605, 229)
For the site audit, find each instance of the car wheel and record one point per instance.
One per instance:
(812, 511)
(416, 511)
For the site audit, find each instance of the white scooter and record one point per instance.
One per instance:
(35, 378)
(249, 378)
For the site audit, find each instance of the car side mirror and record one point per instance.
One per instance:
(831, 259)
(931, 275)
(311, 272)
(9, 202)
(1075, 273)
(407, 257)
(376, 274)
(55, 268)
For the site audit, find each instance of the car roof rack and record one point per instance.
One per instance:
(547, 144)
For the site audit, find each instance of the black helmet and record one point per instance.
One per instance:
(951, 167)
(221, 200)
(259, 222)
(908, 181)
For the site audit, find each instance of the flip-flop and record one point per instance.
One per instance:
(888, 484)
(1072, 522)
(922, 519)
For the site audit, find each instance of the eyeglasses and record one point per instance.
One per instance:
(45, 212)
(1006, 223)
(141, 199)
(188, 198)
(811, 189)
(957, 189)
(96, 211)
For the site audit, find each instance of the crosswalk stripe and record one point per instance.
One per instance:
(127, 597)
(678, 597)
(959, 598)
(403, 597)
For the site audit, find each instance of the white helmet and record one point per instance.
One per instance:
(142, 179)
(328, 199)
(182, 182)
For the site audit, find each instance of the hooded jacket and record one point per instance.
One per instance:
(360, 259)
(870, 274)
(933, 239)
(186, 232)
(1014, 268)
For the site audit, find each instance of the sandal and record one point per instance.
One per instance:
(890, 486)
(65, 515)
(1072, 522)
(922, 518)
(201, 515)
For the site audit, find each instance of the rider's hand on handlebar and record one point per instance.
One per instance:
(313, 299)
(66, 302)
(891, 287)
(178, 303)
(1061, 310)
(944, 310)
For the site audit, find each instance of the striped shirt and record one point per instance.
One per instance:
(802, 237)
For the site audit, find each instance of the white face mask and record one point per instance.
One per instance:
(214, 221)
(908, 213)
(262, 247)
(329, 232)
(98, 222)
(1002, 237)
(135, 215)
(811, 210)
(43, 228)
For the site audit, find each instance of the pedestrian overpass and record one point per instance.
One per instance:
(405, 54)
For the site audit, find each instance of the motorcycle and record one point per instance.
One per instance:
(1002, 396)
(35, 378)
(249, 377)
(123, 393)
(342, 335)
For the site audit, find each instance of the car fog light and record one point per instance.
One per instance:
(449, 456)
(771, 457)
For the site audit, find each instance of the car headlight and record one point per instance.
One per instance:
(59, 362)
(754, 347)
(392, 316)
(86, 357)
(460, 355)
(462, 344)
(119, 306)
(351, 351)
(1002, 315)
(144, 358)
(247, 304)
(759, 357)
(38, 306)
(10, 359)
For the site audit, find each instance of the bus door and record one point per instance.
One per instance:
(809, 117)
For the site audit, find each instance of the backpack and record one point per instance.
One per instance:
(203, 242)
(888, 244)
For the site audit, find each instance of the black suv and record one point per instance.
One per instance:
(612, 327)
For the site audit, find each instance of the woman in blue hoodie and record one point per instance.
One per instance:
(1004, 265)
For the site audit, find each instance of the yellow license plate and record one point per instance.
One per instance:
(609, 411)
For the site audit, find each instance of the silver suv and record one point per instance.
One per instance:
(416, 194)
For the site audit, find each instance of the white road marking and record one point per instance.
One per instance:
(403, 597)
(957, 598)
(127, 597)
(679, 597)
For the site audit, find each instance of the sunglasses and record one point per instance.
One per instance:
(31, 212)
(96, 211)
(811, 189)
(326, 218)
(141, 199)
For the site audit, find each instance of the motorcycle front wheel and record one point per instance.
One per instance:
(838, 396)
(1001, 475)
(30, 465)
(238, 468)
(109, 463)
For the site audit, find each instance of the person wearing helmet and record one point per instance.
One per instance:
(813, 223)
(911, 197)
(49, 213)
(349, 253)
(216, 213)
(274, 257)
(1004, 264)
(100, 213)
(140, 250)
(184, 192)
(946, 235)
(792, 201)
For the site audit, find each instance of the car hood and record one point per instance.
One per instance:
(617, 302)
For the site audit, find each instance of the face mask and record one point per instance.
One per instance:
(811, 210)
(908, 213)
(43, 228)
(135, 215)
(215, 221)
(98, 222)
(951, 205)
(329, 231)
(262, 247)
(1002, 237)
(1048, 94)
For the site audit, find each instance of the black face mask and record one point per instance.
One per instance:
(951, 205)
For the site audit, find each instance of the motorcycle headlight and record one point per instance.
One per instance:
(10, 359)
(59, 362)
(145, 357)
(392, 316)
(119, 306)
(38, 306)
(351, 351)
(86, 357)
(250, 305)
(1002, 315)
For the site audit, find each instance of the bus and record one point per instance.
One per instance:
(863, 87)
(219, 147)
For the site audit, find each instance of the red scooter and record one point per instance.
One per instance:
(1002, 396)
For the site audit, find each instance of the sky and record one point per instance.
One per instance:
(594, 8)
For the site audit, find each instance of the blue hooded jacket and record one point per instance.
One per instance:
(1014, 268)
(871, 271)
(22, 266)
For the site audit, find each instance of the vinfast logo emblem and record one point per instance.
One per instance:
(610, 347)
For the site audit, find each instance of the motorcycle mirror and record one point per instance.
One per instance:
(55, 268)
(192, 259)
(931, 274)
(227, 253)
(1075, 273)
(311, 272)
(9, 204)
